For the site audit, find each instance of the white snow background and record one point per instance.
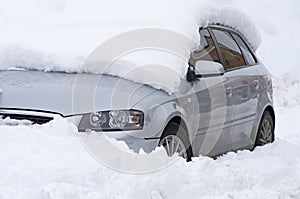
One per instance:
(48, 161)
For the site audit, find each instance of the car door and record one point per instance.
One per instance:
(246, 97)
(243, 85)
(212, 105)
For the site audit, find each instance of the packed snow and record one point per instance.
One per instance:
(49, 161)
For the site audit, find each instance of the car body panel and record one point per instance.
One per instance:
(211, 115)
(245, 95)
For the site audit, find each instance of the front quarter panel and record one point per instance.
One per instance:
(159, 108)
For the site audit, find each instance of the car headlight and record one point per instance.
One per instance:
(112, 120)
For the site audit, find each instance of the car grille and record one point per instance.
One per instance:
(34, 119)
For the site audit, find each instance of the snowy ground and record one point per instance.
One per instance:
(49, 161)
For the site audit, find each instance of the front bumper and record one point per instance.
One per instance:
(135, 140)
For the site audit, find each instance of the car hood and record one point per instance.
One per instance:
(68, 93)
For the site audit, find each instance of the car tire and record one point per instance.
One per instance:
(265, 133)
(174, 134)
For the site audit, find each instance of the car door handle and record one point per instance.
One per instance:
(226, 79)
(256, 84)
(229, 92)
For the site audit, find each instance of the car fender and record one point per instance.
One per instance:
(159, 109)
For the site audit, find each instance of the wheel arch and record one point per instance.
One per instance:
(178, 120)
(270, 109)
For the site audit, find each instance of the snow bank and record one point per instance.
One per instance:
(60, 37)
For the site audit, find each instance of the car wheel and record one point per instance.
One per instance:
(265, 132)
(175, 140)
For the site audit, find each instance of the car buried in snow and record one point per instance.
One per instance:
(233, 112)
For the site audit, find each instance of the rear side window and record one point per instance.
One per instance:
(250, 60)
(206, 51)
(232, 54)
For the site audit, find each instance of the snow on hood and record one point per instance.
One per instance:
(62, 36)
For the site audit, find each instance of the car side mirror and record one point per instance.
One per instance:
(204, 68)
(208, 69)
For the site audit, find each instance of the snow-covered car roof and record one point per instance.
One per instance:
(63, 41)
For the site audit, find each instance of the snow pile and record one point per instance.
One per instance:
(62, 37)
(12, 122)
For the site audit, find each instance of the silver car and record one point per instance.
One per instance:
(224, 104)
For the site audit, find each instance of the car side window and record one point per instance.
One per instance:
(206, 51)
(249, 58)
(232, 54)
